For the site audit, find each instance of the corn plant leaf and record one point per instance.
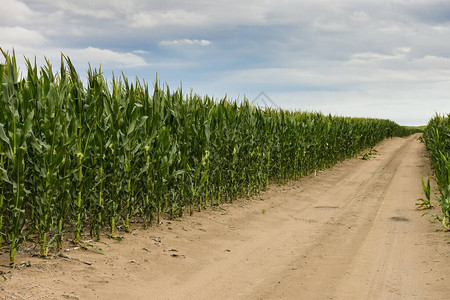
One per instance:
(3, 134)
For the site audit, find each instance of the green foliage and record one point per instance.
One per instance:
(102, 155)
(437, 139)
(425, 203)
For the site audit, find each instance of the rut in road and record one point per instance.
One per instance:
(358, 196)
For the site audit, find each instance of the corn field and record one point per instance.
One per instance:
(92, 157)
(437, 140)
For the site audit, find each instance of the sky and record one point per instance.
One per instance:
(358, 58)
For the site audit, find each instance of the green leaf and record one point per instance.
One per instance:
(3, 134)
(28, 123)
(131, 127)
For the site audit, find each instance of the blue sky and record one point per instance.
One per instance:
(383, 59)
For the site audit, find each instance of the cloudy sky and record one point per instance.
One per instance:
(383, 59)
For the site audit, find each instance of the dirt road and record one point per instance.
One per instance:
(351, 232)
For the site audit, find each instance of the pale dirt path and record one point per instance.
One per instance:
(352, 232)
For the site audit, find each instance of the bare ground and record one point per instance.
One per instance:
(351, 232)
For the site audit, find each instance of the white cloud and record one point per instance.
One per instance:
(18, 36)
(140, 52)
(201, 13)
(14, 12)
(151, 19)
(371, 56)
(360, 16)
(403, 50)
(437, 64)
(185, 42)
(97, 56)
(360, 50)
(94, 9)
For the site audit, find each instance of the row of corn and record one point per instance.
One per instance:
(78, 157)
(437, 140)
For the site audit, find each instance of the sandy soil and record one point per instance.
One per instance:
(351, 232)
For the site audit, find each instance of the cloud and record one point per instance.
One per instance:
(107, 57)
(360, 16)
(185, 42)
(18, 36)
(314, 49)
(371, 56)
(140, 52)
(433, 12)
(94, 9)
(204, 14)
(151, 19)
(15, 12)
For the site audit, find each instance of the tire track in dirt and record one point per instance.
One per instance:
(342, 236)
(389, 265)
